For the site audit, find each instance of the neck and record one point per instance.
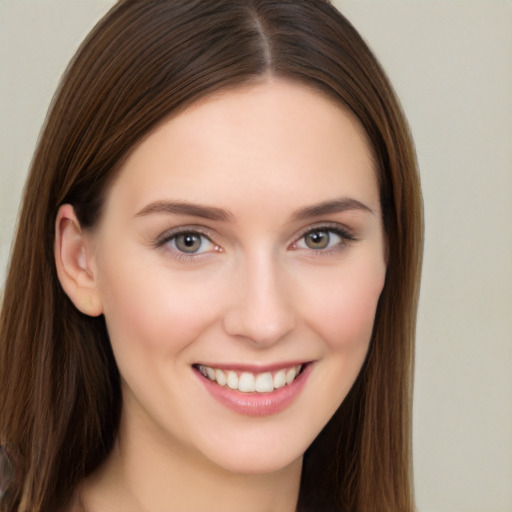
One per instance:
(144, 473)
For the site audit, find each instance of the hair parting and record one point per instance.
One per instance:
(145, 61)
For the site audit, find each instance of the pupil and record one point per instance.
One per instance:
(317, 240)
(188, 243)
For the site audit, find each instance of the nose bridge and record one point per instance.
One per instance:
(262, 309)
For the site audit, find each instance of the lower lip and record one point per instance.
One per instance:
(257, 404)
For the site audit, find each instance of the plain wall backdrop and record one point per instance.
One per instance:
(451, 64)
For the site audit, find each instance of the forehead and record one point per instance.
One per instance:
(275, 140)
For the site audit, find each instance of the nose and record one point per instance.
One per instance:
(261, 310)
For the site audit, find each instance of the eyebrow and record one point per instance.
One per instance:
(219, 214)
(328, 207)
(186, 208)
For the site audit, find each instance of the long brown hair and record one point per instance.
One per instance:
(60, 397)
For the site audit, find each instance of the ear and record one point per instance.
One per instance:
(75, 262)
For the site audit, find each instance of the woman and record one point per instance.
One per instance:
(212, 293)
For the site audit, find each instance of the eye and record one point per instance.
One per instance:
(190, 243)
(323, 239)
(319, 239)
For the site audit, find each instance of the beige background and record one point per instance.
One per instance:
(451, 63)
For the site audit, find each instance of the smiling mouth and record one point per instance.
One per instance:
(249, 382)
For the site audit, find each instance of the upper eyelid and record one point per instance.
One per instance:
(164, 243)
(173, 232)
(346, 235)
(327, 226)
(210, 234)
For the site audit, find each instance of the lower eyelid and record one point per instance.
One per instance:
(345, 236)
(205, 240)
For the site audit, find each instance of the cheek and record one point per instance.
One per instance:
(344, 310)
(154, 309)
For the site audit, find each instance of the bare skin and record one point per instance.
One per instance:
(245, 236)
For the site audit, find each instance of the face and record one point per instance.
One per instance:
(239, 261)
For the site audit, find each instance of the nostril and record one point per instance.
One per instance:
(261, 324)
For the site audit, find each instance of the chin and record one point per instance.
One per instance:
(251, 457)
(259, 465)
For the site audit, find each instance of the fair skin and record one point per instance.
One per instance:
(243, 236)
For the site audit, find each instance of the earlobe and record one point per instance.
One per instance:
(74, 262)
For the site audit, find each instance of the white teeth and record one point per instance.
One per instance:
(232, 380)
(248, 382)
(264, 383)
(220, 377)
(290, 375)
(279, 379)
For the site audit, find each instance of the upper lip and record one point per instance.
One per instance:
(253, 368)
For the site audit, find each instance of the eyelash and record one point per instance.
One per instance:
(170, 237)
(346, 237)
